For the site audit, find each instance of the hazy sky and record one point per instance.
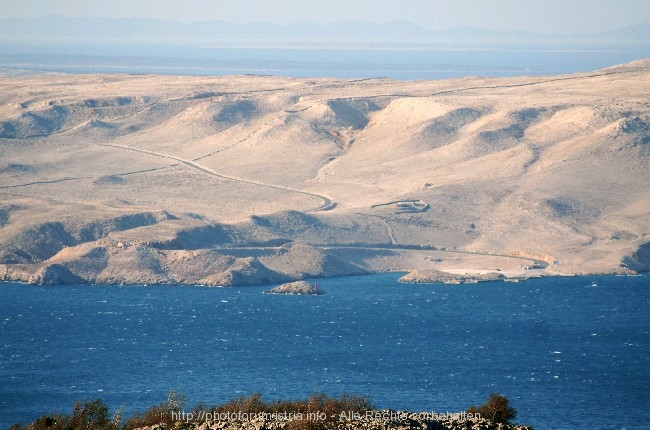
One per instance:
(542, 16)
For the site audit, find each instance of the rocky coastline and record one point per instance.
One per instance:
(372, 420)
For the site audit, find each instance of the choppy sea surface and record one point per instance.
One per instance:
(568, 352)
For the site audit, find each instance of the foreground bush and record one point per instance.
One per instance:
(497, 409)
(318, 412)
(94, 415)
(87, 416)
(328, 409)
(160, 414)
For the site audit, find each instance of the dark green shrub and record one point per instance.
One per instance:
(91, 415)
(497, 409)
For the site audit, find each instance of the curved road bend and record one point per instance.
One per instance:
(325, 206)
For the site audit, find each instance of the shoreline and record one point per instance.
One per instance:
(463, 276)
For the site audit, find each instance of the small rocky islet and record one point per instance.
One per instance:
(302, 288)
(440, 277)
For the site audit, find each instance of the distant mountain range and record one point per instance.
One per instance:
(59, 29)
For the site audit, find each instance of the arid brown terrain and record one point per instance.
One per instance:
(241, 180)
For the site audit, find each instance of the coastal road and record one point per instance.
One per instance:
(540, 263)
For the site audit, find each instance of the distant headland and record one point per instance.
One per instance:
(251, 180)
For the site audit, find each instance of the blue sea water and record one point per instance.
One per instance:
(421, 62)
(568, 352)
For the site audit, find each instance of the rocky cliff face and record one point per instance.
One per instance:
(110, 260)
(640, 259)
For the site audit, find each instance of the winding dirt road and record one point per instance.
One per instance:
(326, 204)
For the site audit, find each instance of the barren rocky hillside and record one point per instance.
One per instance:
(247, 179)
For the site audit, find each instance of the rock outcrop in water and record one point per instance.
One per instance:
(302, 288)
(439, 277)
